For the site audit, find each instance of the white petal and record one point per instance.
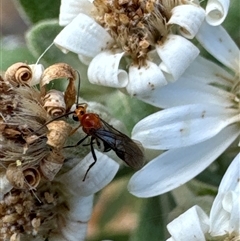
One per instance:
(69, 9)
(177, 53)
(234, 222)
(219, 44)
(189, 88)
(71, 230)
(98, 177)
(85, 59)
(83, 36)
(218, 217)
(104, 70)
(37, 71)
(181, 126)
(223, 211)
(175, 167)
(143, 81)
(190, 226)
(216, 11)
(79, 208)
(230, 180)
(189, 18)
(5, 185)
(207, 72)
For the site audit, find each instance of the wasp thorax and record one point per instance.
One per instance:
(135, 25)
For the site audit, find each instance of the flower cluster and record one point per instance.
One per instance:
(140, 45)
(41, 196)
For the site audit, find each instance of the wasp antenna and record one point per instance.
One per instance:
(56, 118)
(44, 52)
(79, 82)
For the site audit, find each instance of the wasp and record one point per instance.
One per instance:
(100, 131)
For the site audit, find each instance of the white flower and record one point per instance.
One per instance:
(201, 119)
(216, 11)
(139, 46)
(223, 222)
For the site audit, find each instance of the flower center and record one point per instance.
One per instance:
(136, 25)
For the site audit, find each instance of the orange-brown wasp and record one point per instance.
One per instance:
(100, 131)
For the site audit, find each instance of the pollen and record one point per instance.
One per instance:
(136, 25)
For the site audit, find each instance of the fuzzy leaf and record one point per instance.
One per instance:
(35, 10)
(40, 36)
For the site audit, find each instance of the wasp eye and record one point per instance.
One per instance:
(75, 118)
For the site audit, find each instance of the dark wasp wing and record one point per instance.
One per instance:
(125, 148)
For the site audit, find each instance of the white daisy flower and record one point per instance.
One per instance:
(223, 223)
(139, 45)
(201, 119)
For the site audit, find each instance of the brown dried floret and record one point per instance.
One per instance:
(136, 26)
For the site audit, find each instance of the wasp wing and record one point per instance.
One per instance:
(125, 148)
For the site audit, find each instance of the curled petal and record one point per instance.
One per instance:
(176, 53)
(50, 165)
(23, 177)
(104, 70)
(177, 166)
(216, 11)
(37, 71)
(83, 36)
(22, 74)
(98, 176)
(57, 71)
(58, 133)
(69, 9)
(181, 126)
(217, 42)
(189, 18)
(144, 80)
(191, 225)
(54, 104)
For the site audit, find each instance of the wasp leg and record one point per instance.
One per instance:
(82, 140)
(94, 158)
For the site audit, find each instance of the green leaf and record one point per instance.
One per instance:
(35, 10)
(128, 110)
(41, 36)
(231, 23)
(153, 219)
(9, 56)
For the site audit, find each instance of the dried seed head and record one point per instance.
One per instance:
(54, 103)
(24, 212)
(136, 25)
(21, 150)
